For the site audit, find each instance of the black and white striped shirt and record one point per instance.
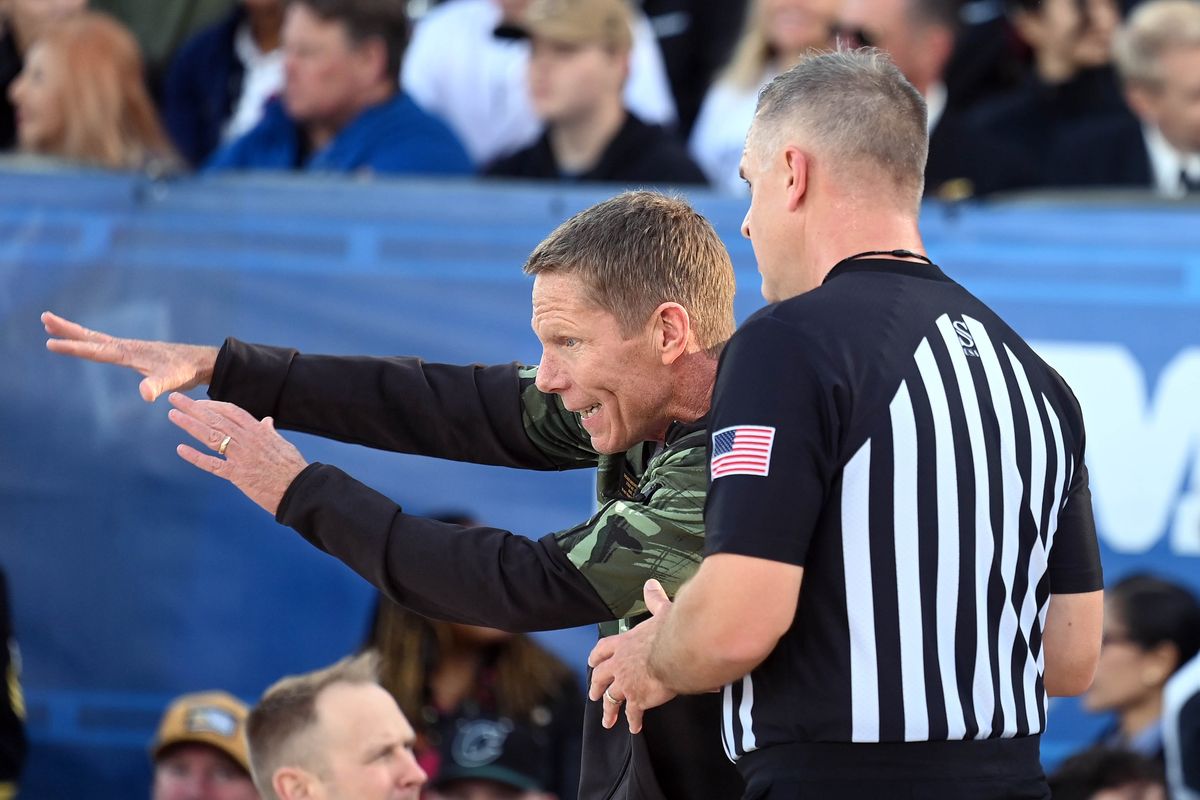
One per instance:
(925, 466)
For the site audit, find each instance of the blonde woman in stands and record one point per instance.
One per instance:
(81, 97)
(777, 34)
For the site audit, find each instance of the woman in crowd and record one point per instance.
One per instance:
(21, 23)
(777, 34)
(81, 97)
(443, 674)
(1151, 628)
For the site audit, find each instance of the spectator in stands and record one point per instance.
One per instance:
(333, 733)
(221, 79)
(577, 70)
(1071, 82)
(200, 750)
(964, 159)
(1105, 774)
(1181, 731)
(465, 66)
(1158, 59)
(777, 34)
(21, 22)
(12, 702)
(696, 38)
(81, 97)
(1151, 628)
(491, 759)
(342, 109)
(443, 674)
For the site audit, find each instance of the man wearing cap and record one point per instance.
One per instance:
(578, 67)
(491, 759)
(200, 750)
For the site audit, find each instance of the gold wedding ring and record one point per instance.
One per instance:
(224, 445)
(612, 699)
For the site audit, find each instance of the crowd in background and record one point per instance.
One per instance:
(1031, 94)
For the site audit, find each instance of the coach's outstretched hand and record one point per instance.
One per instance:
(167, 366)
(256, 459)
(620, 665)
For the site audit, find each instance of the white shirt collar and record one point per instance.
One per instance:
(1166, 162)
(935, 105)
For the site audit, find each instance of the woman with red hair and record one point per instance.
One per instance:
(81, 96)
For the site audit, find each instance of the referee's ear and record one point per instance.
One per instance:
(671, 333)
(797, 163)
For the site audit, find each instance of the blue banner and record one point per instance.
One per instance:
(136, 577)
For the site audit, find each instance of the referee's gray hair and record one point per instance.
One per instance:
(1150, 31)
(852, 106)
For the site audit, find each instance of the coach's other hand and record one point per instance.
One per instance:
(620, 666)
(167, 366)
(250, 454)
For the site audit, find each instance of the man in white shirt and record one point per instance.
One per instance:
(458, 68)
(1158, 60)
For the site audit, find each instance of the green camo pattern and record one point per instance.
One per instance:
(650, 522)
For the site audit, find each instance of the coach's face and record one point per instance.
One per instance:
(618, 385)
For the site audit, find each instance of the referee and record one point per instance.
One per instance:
(895, 473)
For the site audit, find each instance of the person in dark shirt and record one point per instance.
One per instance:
(12, 701)
(896, 474)
(221, 79)
(577, 70)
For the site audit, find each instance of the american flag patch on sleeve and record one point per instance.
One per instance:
(742, 450)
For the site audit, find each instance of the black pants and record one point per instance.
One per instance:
(993, 769)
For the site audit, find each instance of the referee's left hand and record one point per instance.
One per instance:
(620, 666)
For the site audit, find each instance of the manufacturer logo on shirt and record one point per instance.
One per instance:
(965, 338)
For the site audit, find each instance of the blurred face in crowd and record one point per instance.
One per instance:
(31, 18)
(920, 50)
(1128, 675)
(327, 76)
(794, 26)
(568, 81)
(478, 635)
(616, 384)
(1173, 105)
(512, 10)
(37, 95)
(363, 748)
(200, 772)
(1068, 35)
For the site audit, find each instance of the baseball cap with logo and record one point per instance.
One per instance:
(216, 719)
(497, 750)
(603, 22)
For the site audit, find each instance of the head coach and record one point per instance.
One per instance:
(632, 302)
(894, 471)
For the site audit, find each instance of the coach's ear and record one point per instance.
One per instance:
(671, 332)
(796, 162)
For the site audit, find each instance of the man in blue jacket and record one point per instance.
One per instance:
(342, 109)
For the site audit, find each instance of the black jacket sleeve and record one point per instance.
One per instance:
(478, 575)
(482, 415)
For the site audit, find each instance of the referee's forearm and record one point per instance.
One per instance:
(690, 657)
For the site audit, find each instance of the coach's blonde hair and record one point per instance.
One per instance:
(642, 249)
(108, 117)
